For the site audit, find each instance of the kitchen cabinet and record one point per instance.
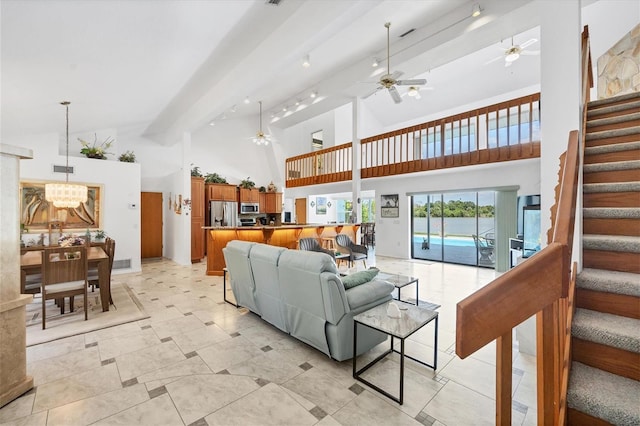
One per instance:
(197, 219)
(273, 202)
(249, 195)
(221, 192)
(261, 199)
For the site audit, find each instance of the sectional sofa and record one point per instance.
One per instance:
(301, 293)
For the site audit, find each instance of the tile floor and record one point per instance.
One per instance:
(199, 361)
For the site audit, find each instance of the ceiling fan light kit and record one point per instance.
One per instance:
(261, 138)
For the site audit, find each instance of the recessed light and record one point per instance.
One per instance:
(306, 62)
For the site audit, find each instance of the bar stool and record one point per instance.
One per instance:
(328, 243)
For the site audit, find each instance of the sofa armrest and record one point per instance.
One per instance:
(334, 297)
(368, 292)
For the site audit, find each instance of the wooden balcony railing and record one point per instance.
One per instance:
(543, 286)
(506, 131)
(333, 164)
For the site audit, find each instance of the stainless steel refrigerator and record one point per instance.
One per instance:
(224, 213)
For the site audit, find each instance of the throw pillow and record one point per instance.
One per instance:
(360, 277)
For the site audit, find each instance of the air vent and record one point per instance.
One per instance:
(62, 169)
(122, 264)
(273, 2)
(408, 32)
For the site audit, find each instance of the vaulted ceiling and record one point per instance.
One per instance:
(165, 67)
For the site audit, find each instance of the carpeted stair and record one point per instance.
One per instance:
(604, 385)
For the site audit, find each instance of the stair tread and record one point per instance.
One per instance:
(611, 166)
(618, 119)
(615, 147)
(626, 283)
(607, 329)
(627, 96)
(591, 188)
(611, 212)
(603, 395)
(591, 112)
(619, 243)
(605, 134)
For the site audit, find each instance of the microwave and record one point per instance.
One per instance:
(249, 208)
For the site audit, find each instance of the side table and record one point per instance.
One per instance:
(412, 319)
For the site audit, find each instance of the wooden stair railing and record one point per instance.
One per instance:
(542, 286)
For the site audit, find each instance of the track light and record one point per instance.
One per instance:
(246, 100)
(233, 108)
(306, 62)
(212, 123)
(314, 94)
(476, 10)
(375, 62)
(284, 109)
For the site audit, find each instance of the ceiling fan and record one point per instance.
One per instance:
(414, 92)
(514, 52)
(389, 81)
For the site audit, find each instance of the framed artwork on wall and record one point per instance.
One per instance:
(321, 205)
(36, 213)
(389, 206)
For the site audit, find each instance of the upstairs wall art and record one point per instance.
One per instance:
(36, 212)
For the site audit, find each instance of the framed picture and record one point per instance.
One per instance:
(321, 205)
(36, 213)
(389, 206)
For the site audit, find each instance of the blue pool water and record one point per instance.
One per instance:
(448, 241)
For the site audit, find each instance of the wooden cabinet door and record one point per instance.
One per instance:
(150, 224)
(249, 195)
(273, 202)
(262, 197)
(228, 193)
(197, 219)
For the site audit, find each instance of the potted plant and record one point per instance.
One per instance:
(96, 150)
(127, 157)
(100, 235)
(262, 189)
(195, 171)
(214, 178)
(247, 183)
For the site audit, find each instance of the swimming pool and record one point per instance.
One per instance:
(448, 241)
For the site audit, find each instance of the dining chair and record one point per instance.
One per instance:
(356, 251)
(93, 276)
(311, 244)
(64, 275)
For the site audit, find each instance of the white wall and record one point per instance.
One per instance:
(120, 188)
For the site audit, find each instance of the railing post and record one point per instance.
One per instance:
(504, 346)
(547, 370)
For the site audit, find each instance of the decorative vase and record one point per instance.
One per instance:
(271, 187)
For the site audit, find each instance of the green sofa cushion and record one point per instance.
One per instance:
(360, 277)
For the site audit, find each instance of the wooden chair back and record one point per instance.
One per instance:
(64, 264)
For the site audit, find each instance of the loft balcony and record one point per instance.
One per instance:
(505, 131)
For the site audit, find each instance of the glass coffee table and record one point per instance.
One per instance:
(399, 281)
(412, 319)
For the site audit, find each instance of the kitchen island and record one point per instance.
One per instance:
(282, 236)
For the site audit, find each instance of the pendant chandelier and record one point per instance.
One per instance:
(65, 195)
(261, 138)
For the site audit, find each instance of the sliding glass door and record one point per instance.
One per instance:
(454, 228)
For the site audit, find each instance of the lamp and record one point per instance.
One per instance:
(260, 138)
(476, 10)
(64, 195)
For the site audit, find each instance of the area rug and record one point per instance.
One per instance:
(127, 309)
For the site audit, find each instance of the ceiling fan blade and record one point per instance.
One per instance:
(373, 92)
(530, 52)
(497, 58)
(394, 94)
(415, 82)
(528, 43)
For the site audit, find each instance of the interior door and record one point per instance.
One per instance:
(301, 211)
(151, 226)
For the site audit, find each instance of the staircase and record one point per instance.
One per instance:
(604, 386)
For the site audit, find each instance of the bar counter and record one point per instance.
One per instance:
(282, 236)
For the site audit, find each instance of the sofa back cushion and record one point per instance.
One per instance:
(236, 256)
(264, 264)
(304, 305)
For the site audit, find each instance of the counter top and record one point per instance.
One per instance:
(291, 226)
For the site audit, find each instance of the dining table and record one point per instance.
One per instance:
(31, 263)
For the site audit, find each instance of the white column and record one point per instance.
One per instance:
(13, 333)
(560, 30)
(355, 159)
